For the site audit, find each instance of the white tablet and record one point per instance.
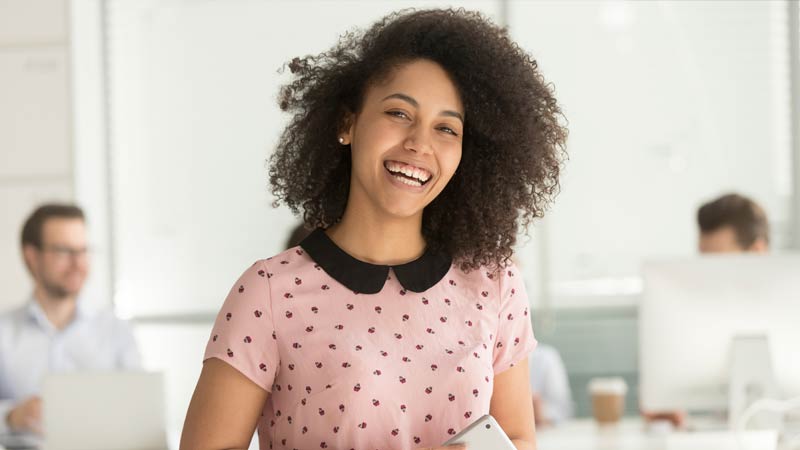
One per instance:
(483, 434)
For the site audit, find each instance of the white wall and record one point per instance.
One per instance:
(35, 125)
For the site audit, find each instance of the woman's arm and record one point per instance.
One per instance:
(224, 410)
(512, 408)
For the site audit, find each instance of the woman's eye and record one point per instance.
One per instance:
(399, 114)
(448, 130)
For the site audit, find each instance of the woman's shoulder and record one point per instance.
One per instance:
(293, 255)
(293, 262)
(485, 274)
(500, 284)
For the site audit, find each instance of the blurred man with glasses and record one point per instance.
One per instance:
(53, 331)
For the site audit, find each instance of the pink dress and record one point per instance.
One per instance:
(395, 369)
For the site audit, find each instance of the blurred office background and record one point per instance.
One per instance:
(157, 116)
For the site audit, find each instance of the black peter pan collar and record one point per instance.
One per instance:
(365, 278)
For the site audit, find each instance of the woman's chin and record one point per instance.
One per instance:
(403, 211)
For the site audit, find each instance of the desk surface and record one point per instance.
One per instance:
(586, 434)
(630, 434)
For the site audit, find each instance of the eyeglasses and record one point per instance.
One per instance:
(63, 252)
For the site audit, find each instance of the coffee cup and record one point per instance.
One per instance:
(608, 399)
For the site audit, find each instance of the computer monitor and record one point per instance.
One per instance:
(693, 310)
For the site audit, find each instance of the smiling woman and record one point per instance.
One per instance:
(414, 149)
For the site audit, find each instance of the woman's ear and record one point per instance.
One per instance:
(346, 125)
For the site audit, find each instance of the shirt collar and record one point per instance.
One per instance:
(36, 313)
(365, 278)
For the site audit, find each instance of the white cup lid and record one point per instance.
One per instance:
(611, 385)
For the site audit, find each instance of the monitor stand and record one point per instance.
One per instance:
(751, 378)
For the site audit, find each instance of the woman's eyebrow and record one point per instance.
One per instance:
(452, 114)
(413, 102)
(403, 97)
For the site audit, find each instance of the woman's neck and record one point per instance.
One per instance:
(378, 240)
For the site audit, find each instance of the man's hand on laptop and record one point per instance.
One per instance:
(27, 416)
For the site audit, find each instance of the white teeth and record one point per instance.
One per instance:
(407, 181)
(420, 174)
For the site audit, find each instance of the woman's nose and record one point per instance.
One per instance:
(418, 140)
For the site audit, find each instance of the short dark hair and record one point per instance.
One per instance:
(513, 141)
(745, 216)
(32, 230)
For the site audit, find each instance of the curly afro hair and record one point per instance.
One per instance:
(513, 140)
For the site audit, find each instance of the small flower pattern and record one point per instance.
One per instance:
(393, 370)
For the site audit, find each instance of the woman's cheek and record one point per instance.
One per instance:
(452, 162)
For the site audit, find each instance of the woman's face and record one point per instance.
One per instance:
(405, 141)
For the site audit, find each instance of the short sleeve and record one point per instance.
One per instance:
(243, 334)
(515, 339)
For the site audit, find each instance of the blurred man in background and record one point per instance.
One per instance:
(732, 224)
(552, 397)
(53, 331)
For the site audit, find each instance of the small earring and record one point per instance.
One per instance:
(341, 140)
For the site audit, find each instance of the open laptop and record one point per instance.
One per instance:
(104, 411)
(20, 441)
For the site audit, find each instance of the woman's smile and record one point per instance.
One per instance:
(408, 177)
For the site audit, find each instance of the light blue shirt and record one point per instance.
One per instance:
(31, 347)
(549, 378)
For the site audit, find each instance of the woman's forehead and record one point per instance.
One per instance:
(423, 80)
